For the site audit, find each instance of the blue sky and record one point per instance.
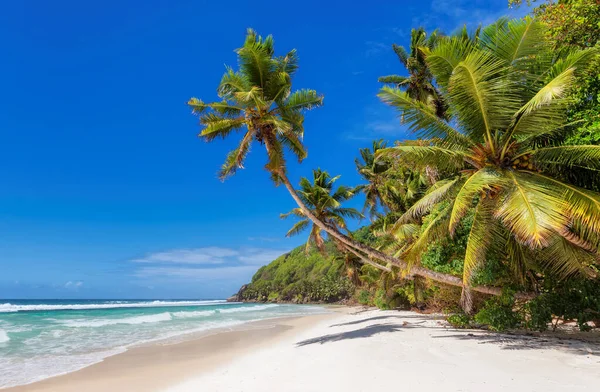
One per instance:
(105, 190)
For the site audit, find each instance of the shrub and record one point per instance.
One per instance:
(497, 313)
(459, 320)
(364, 297)
(380, 300)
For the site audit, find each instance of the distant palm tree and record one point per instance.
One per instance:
(379, 191)
(387, 186)
(504, 90)
(325, 203)
(419, 82)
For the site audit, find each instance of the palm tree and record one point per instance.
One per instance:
(379, 191)
(325, 203)
(419, 82)
(259, 98)
(388, 186)
(504, 91)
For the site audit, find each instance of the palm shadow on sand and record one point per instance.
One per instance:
(364, 332)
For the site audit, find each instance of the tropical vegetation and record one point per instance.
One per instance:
(492, 209)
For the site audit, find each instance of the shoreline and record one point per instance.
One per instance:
(170, 362)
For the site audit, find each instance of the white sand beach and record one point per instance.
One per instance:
(390, 350)
(352, 349)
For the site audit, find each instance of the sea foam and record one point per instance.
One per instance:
(151, 318)
(3, 337)
(247, 308)
(7, 307)
(190, 314)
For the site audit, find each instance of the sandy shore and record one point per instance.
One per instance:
(349, 350)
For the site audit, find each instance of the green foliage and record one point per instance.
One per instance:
(301, 277)
(381, 300)
(324, 201)
(459, 320)
(506, 88)
(364, 297)
(570, 22)
(571, 300)
(498, 314)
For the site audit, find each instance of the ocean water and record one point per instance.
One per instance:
(41, 338)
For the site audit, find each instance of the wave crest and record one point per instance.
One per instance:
(151, 318)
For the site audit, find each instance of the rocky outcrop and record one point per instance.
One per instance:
(238, 297)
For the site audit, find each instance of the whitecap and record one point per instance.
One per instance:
(151, 318)
(3, 337)
(247, 308)
(199, 313)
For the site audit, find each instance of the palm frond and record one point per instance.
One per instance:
(484, 231)
(303, 100)
(421, 119)
(587, 157)
(581, 204)
(426, 156)
(255, 59)
(235, 159)
(216, 126)
(530, 213)
(481, 97)
(446, 56)
(401, 53)
(394, 79)
(435, 230)
(298, 227)
(514, 40)
(233, 82)
(438, 192)
(483, 180)
(295, 211)
(563, 259)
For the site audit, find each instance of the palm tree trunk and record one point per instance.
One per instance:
(378, 255)
(366, 260)
(419, 288)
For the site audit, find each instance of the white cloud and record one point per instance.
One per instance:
(374, 48)
(258, 256)
(264, 239)
(213, 256)
(203, 264)
(209, 255)
(196, 274)
(73, 285)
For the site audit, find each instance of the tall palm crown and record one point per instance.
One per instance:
(504, 91)
(325, 202)
(419, 82)
(259, 98)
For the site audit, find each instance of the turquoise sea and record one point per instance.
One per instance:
(45, 338)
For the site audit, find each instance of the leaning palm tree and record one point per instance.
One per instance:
(325, 202)
(258, 100)
(505, 90)
(419, 82)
